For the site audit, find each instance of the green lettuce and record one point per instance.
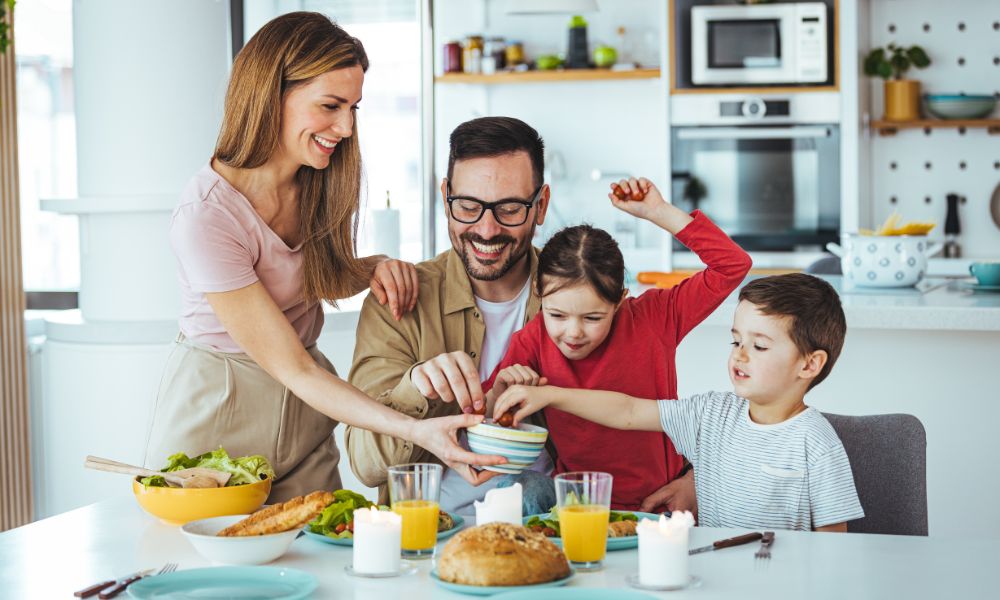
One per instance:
(551, 519)
(243, 470)
(340, 511)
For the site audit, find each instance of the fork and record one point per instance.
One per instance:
(119, 588)
(764, 553)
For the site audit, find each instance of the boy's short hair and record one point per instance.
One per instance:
(813, 307)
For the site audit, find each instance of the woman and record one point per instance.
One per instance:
(263, 233)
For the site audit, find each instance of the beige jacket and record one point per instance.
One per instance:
(445, 319)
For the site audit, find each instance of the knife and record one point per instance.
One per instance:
(105, 586)
(728, 543)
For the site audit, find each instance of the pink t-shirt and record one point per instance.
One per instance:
(222, 244)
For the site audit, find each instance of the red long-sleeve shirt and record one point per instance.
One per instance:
(637, 358)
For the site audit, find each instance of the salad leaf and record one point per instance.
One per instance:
(340, 511)
(243, 470)
(551, 520)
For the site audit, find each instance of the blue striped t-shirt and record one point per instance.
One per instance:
(789, 475)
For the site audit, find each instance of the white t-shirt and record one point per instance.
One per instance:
(789, 475)
(502, 320)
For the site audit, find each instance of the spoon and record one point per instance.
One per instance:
(197, 477)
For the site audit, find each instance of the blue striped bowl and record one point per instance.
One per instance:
(520, 455)
(522, 433)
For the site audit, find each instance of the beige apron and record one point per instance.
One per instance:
(209, 399)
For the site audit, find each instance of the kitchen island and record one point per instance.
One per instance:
(56, 556)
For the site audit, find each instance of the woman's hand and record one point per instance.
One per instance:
(439, 436)
(640, 198)
(395, 282)
(525, 400)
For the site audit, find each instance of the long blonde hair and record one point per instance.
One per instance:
(287, 52)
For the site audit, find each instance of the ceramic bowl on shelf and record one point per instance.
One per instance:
(959, 106)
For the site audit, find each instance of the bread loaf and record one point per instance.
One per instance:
(498, 554)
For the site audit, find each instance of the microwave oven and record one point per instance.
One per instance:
(759, 44)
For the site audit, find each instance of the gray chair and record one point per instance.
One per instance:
(888, 455)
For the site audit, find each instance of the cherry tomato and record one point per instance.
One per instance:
(505, 420)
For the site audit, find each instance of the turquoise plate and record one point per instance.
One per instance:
(576, 593)
(617, 543)
(442, 535)
(483, 590)
(227, 582)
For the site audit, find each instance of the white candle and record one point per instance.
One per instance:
(385, 223)
(377, 536)
(500, 505)
(663, 550)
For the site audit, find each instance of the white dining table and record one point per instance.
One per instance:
(53, 557)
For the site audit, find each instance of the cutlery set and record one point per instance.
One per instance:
(763, 554)
(113, 587)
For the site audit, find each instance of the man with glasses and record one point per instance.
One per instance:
(472, 299)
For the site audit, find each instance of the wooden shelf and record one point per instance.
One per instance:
(798, 89)
(548, 76)
(892, 127)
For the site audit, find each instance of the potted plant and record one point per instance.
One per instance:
(902, 96)
(6, 6)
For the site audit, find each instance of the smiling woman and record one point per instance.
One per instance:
(263, 233)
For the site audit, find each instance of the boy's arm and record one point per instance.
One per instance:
(610, 409)
(836, 527)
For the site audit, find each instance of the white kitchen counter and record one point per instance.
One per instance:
(935, 304)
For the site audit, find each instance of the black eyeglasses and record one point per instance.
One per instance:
(511, 212)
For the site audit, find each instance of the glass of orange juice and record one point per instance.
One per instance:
(583, 499)
(414, 492)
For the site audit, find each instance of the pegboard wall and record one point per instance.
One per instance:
(914, 170)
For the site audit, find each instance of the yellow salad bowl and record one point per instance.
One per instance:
(177, 506)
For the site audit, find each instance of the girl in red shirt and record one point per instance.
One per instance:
(590, 334)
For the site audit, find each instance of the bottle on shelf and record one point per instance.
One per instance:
(952, 249)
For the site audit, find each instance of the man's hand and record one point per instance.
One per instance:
(677, 495)
(451, 377)
(440, 437)
(395, 282)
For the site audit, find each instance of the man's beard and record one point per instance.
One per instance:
(493, 272)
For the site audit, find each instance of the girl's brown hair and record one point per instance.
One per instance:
(582, 254)
(287, 52)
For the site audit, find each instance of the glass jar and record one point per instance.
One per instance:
(514, 53)
(452, 55)
(496, 48)
(472, 54)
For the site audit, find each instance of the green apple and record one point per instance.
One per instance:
(548, 62)
(605, 56)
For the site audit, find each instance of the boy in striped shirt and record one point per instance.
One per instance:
(761, 457)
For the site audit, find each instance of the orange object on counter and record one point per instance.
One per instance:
(663, 280)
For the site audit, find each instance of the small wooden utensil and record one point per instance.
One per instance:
(197, 477)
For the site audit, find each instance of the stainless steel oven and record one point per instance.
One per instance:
(760, 168)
